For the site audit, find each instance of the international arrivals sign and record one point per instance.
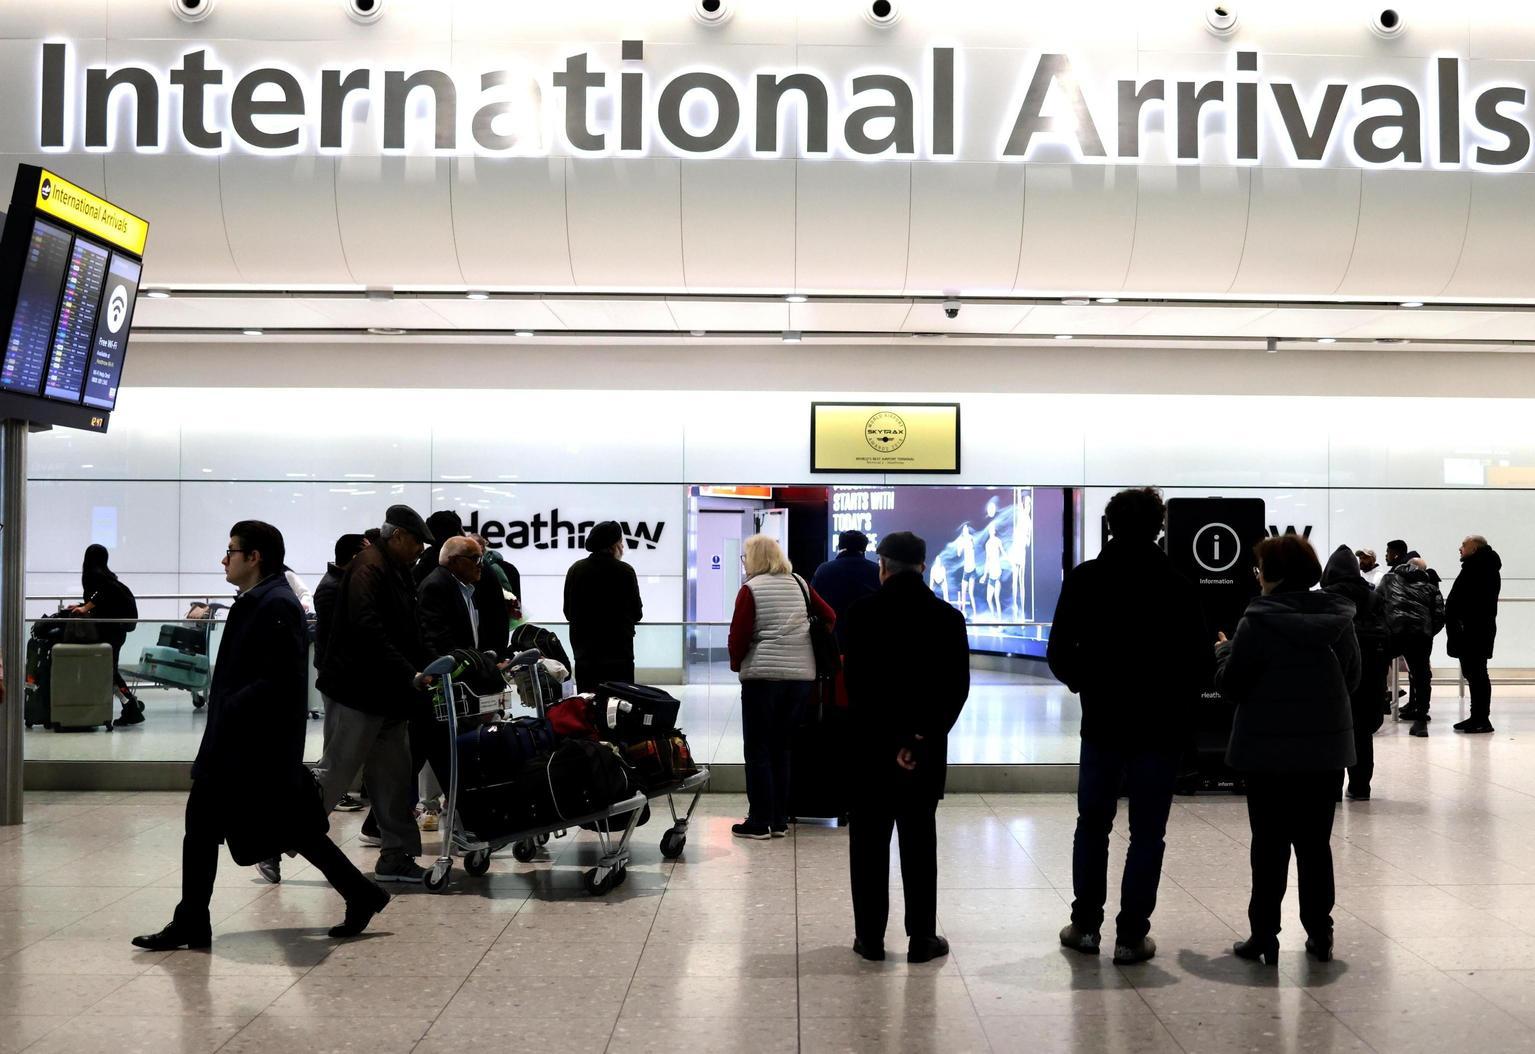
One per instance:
(582, 106)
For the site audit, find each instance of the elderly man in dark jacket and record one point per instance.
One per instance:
(1414, 611)
(846, 578)
(1290, 668)
(602, 605)
(1471, 622)
(908, 675)
(1343, 577)
(1119, 616)
(249, 785)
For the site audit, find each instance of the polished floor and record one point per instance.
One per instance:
(744, 945)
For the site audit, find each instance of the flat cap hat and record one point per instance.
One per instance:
(903, 547)
(408, 519)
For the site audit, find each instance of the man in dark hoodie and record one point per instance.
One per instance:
(1128, 637)
(1414, 611)
(1343, 577)
(1471, 618)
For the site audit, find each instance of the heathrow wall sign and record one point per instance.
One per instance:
(1062, 108)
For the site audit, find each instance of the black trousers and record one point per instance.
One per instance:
(1479, 684)
(1365, 703)
(1286, 809)
(592, 671)
(869, 828)
(200, 859)
(1148, 777)
(769, 712)
(1416, 649)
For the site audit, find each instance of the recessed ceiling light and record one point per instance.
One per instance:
(385, 331)
(476, 295)
(251, 332)
(1065, 336)
(157, 294)
(1076, 301)
(697, 332)
(796, 298)
(1108, 300)
(1412, 303)
(791, 336)
(524, 333)
(1326, 340)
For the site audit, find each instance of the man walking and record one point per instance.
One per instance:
(1414, 610)
(908, 674)
(1129, 638)
(249, 785)
(1471, 619)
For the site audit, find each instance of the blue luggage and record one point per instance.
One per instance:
(493, 754)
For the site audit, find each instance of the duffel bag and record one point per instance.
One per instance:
(574, 718)
(659, 761)
(636, 711)
(477, 670)
(584, 777)
(528, 636)
(493, 754)
(499, 809)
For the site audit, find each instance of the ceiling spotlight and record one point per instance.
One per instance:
(1076, 301)
(1064, 336)
(157, 294)
(791, 336)
(476, 295)
(251, 332)
(1412, 303)
(524, 332)
(796, 298)
(1326, 340)
(1108, 300)
(385, 331)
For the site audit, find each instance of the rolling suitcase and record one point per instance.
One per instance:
(174, 667)
(39, 661)
(80, 686)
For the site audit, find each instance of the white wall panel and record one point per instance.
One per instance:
(966, 227)
(1300, 230)
(179, 196)
(1091, 209)
(396, 220)
(738, 224)
(1190, 225)
(625, 217)
(67, 19)
(142, 444)
(136, 520)
(1412, 226)
(1496, 259)
(305, 245)
(509, 222)
(851, 227)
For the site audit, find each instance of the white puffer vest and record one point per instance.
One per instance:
(780, 648)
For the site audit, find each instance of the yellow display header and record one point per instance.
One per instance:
(884, 437)
(95, 216)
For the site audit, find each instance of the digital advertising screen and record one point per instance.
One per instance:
(993, 553)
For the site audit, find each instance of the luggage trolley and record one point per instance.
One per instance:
(454, 700)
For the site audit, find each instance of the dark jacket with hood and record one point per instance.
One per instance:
(1341, 577)
(110, 599)
(1290, 668)
(840, 581)
(325, 610)
(1411, 601)
(1129, 637)
(1471, 612)
(375, 648)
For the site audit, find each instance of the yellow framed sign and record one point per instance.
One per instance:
(884, 437)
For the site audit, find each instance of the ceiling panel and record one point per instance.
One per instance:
(973, 318)
(497, 314)
(613, 314)
(360, 313)
(867, 316)
(228, 313)
(1310, 322)
(730, 314)
(1092, 318)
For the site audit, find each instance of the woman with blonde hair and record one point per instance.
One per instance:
(770, 648)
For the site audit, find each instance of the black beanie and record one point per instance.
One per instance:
(603, 536)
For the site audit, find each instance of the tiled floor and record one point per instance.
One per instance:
(744, 946)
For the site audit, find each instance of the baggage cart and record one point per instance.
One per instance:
(453, 701)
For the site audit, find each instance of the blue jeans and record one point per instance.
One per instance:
(1148, 777)
(769, 711)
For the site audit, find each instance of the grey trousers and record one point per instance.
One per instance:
(383, 745)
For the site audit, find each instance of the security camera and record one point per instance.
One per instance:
(881, 12)
(192, 10)
(711, 12)
(365, 11)
(1387, 22)
(1221, 19)
(951, 308)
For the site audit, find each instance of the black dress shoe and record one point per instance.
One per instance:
(359, 913)
(174, 936)
(1419, 728)
(1474, 726)
(1320, 948)
(926, 949)
(1404, 714)
(875, 953)
(1359, 795)
(1254, 949)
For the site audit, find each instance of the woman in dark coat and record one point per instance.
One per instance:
(1343, 578)
(105, 597)
(1289, 669)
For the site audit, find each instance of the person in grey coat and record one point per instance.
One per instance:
(1290, 668)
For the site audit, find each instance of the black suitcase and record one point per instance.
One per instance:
(493, 754)
(818, 765)
(642, 712)
(37, 708)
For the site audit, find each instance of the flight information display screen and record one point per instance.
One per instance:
(112, 323)
(76, 325)
(31, 336)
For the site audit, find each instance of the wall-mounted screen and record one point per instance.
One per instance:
(37, 302)
(76, 326)
(111, 339)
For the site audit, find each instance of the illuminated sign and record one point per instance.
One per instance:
(96, 216)
(884, 437)
(1442, 122)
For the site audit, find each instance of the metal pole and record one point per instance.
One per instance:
(13, 638)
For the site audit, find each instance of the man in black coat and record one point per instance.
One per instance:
(602, 605)
(847, 577)
(907, 665)
(249, 784)
(347, 547)
(1344, 576)
(1129, 638)
(1414, 610)
(1471, 622)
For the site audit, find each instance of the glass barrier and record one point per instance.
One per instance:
(1017, 713)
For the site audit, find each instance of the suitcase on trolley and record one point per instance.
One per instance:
(174, 667)
(80, 686)
(493, 754)
(635, 711)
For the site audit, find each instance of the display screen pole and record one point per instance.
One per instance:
(13, 576)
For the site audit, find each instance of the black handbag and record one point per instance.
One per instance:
(828, 657)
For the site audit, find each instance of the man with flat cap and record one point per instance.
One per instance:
(372, 669)
(602, 605)
(846, 578)
(907, 661)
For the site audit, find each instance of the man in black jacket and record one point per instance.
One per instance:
(1471, 619)
(1414, 609)
(249, 784)
(347, 547)
(848, 577)
(907, 665)
(1344, 576)
(1128, 636)
(602, 605)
